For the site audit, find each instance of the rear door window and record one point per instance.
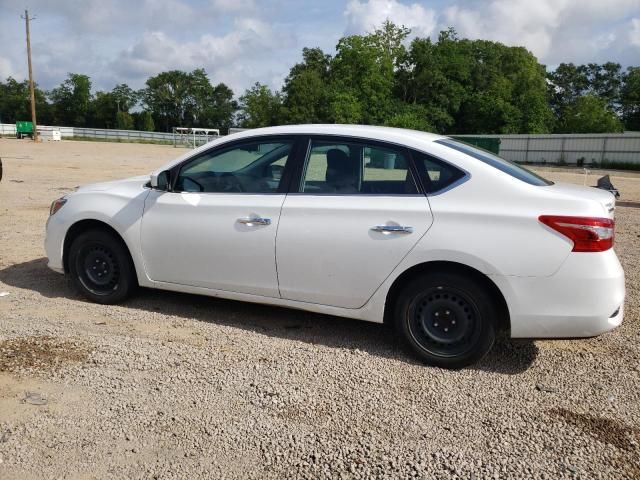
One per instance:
(346, 167)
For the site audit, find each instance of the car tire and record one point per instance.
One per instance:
(100, 267)
(446, 319)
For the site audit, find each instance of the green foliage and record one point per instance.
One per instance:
(630, 99)
(72, 101)
(618, 165)
(178, 98)
(414, 117)
(306, 93)
(104, 109)
(124, 97)
(124, 121)
(260, 107)
(589, 114)
(362, 75)
(478, 86)
(144, 121)
(15, 102)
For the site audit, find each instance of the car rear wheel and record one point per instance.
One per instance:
(447, 319)
(100, 267)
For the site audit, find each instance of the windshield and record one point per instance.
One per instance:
(506, 166)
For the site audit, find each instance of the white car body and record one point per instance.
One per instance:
(320, 254)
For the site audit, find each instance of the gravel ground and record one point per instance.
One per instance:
(179, 386)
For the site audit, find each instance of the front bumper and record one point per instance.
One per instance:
(54, 243)
(584, 298)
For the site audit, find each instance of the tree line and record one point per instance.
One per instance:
(450, 85)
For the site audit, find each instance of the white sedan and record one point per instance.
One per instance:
(446, 241)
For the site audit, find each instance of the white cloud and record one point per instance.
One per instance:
(227, 6)
(6, 69)
(233, 58)
(634, 33)
(554, 30)
(365, 16)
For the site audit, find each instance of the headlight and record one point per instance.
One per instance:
(57, 205)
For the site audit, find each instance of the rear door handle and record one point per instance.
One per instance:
(254, 221)
(392, 229)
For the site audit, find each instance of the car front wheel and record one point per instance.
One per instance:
(447, 319)
(101, 268)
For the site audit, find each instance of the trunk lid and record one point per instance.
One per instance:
(603, 197)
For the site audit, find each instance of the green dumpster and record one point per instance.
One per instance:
(490, 144)
(24, 129)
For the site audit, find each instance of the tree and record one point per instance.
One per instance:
(306, 93)
(260, 107)
(362, 74)
(124, 121)
(72, 101)
(566, 84)
(177, 98)
(15, 102)
(412, 116)
(125, 97)
(212, 106)
(605, 82)
(104, 109)
(630, 99)
(476, 86)
(167, 97)
(590, 114)
(144, 121)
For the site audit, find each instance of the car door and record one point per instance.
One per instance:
(217, 226)
(354, 214)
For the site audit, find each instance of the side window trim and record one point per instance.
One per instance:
(289, 169)
(304, 152)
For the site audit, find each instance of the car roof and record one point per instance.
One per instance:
(389, 134)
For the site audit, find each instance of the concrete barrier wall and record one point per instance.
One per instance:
(569, 148)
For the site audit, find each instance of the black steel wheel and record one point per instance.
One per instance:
(100, 267)
(447, 319)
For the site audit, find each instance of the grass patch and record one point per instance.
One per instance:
(120, 140)
(615, 165)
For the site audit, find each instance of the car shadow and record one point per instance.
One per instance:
(507, 357)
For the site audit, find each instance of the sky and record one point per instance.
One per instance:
(240, 42)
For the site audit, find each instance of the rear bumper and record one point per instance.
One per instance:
(584, 298)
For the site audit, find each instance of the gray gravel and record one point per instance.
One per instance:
(179, 386)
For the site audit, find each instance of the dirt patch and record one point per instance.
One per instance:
(604, 429)
(39, 353)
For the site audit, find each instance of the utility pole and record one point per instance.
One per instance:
(31, 85)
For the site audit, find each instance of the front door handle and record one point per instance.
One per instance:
(392, 229)
(254, 221)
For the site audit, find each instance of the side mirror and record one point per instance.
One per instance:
(161, 181)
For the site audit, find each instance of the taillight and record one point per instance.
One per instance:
(588, 234)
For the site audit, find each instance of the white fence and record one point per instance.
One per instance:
(100, 133)
(569, 148)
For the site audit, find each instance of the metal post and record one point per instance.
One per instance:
(526, 152)
(604, 149)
